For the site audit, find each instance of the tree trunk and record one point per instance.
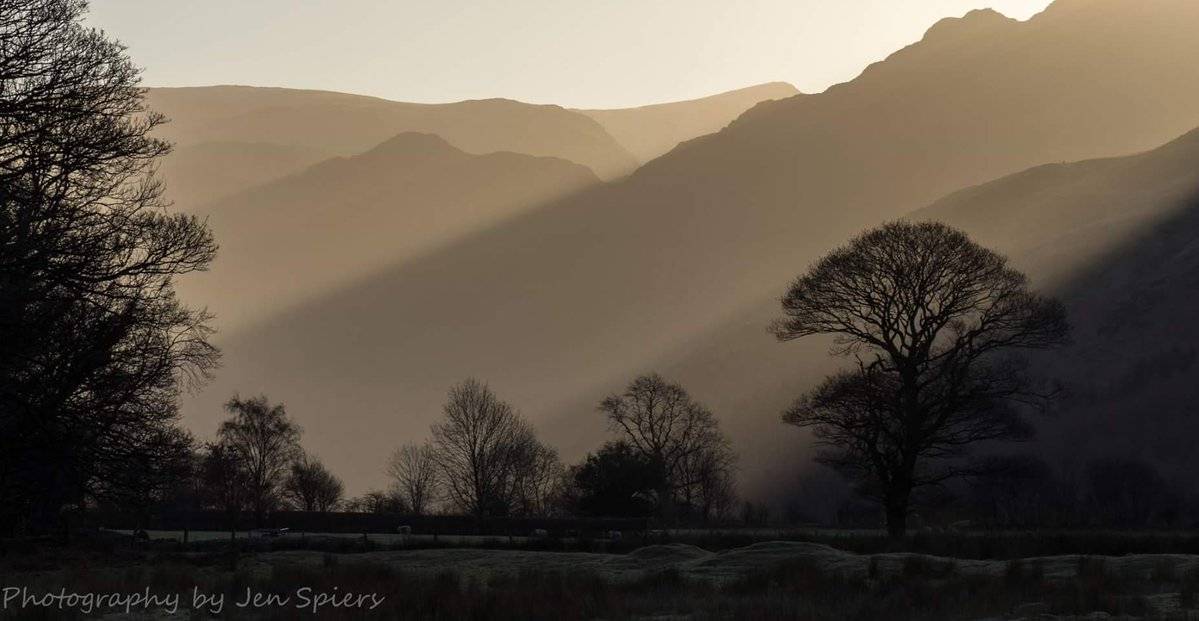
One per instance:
(897, 520)
(666, 508)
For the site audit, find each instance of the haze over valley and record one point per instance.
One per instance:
(374, 252)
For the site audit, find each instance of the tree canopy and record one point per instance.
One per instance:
(934, 323)
(94, 345)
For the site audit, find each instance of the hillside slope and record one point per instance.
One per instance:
(1114, 238)
(306, 234)
(197, 174)
(1118, 241)
(650, 131)
(562, 304)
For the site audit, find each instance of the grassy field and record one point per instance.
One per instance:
(978, 544)
(764, 580)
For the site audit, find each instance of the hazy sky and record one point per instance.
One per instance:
(580, 53)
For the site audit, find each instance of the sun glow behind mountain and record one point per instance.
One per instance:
(574, 54)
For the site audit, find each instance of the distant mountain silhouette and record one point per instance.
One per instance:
(200, 173)
(677, 268)
(650, 131)
(339, 220)
(344, 124)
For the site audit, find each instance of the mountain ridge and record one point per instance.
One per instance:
(652, 130)
(345, 124)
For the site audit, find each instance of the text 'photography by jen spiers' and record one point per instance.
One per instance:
(302, 600)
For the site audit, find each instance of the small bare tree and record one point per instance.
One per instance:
(311, 487)
(266, 441)
(932, 320)
(707, 482)
(538, 481)
(480, 446)
(415, 475)
(666, 426)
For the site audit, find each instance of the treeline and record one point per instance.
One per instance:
(1022, 491)
(1012, 491)
(669, 462)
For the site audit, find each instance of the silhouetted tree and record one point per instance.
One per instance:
(666, 426)
(931, 319)
(415, 475)
(311, 487)
(1015, 490)
(1129, 493)
(93, 341)
(708, 486)
(537, 481)
(154, 478)
(481, 445)
(754, 514)
(266, 442)
(378, 502)
(225, 483)
(616, 481)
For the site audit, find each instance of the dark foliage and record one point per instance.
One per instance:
(682, 439)
(616, 481)
(932, 320)
(93, 342)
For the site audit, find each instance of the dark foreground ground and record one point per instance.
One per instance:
(764, 580)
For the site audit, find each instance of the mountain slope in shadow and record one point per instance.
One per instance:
(1118, 241)
(650, 131)
(344, 124)
(560, 305)
(1114, 238)
(312, 232)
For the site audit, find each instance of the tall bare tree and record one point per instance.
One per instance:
(93, 341)
(933, 321)
(480, 446)
(266, 442)
(415, 476)
(670, 429)
(310, 486)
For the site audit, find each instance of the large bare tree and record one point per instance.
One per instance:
(266, 442)
(415, 476)
(481, 445)
(661, 421)
(934, 323)
(93, 341)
